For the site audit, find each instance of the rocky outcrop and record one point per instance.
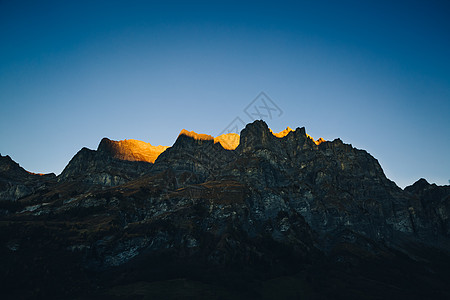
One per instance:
(194, 158)
(131, 150)
(229, 141)
(431, 206)
(102, 167)
(16, 183)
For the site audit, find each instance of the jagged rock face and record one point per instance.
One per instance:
(434, 204)
(101, 168)
(229, 141)
(335, 187)
(16, 183)
(275, 206)
(194, 158)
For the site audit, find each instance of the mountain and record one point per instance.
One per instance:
(435, 203)
(228, 141)
(16, 183)
(131, 150)
(273, 216)
(113, 163)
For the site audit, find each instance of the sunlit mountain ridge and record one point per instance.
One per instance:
(132, 150)
(135, 150)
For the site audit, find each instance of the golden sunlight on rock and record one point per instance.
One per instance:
(196, 136)
(229, 141)
(285, 132)
(31, 173)
(282, 133)
(135, 150)
(318, 142)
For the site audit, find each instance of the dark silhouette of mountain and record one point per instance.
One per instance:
(280, 216)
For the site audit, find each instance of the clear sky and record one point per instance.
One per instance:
(374, 73)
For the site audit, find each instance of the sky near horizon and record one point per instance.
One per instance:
(374, 73)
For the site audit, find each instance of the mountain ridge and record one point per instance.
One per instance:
(285, 209)
(131, 150)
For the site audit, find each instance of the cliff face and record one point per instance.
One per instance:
(16, 183)
(338, 189)
(112, 164)
(194, 158)
(286, 212)
(434, 204)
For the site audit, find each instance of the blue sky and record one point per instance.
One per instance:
(374, 73)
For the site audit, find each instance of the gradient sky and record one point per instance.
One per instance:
(377, 75)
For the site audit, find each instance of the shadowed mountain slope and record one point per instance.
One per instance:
(280, 216)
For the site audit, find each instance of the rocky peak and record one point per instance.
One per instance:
(256, 135)
(188, 139)
(320, 141)
(196, 136)
(8, 167)
(229, 141)
(196, 156)
(282, 133)
(113, 163)
(16, 182)
(418, 186)
(131, 150)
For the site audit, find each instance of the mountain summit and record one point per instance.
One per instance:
(271, 215)
(131, 150)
